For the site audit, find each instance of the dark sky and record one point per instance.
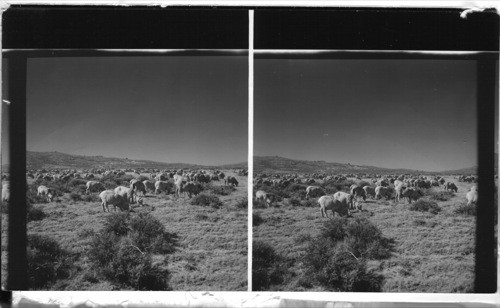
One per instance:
(417, 114)
(190, 109)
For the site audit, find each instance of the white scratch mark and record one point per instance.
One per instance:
(471, 10)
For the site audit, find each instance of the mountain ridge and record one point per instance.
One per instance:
(59, 160)
(282, 164)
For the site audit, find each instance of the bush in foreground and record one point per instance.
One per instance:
(223, 190)
(336, 258)
(47, 261)
(267, 267)
(464, 209)
(335, 267)
(439, 195)
(122, 251)
(363, 238)
(207, 200)
(425, 206)
(294, 202)
(257, 219)
(242, 203)
(35, 213)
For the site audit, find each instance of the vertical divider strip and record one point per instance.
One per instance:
(250, 146)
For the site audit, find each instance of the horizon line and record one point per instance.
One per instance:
(363, 165)
(137, 159)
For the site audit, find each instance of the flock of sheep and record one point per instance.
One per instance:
(395, 187)
(188, 182)
(182, 182)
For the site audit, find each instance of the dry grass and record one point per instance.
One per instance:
(212, 252)
(432, 252)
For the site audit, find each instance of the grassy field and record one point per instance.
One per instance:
(211, 251)
(430, 253)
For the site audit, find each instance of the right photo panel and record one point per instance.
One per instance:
(365, 171)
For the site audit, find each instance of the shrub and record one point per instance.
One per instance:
(294, 202)
(47, 262)
(111, 181)
(206, 200)
(132, 268)
(257, 219)
(464, 209)
(338, 269)
(85, 232)
(439, 195)
(223, 190)
(425, 206)
(75, 196)
(267, 266)
(103, 249)
(122, 251)
(91, 198)
(35, 213)
(242, 203)
(77, 183)
(334, 229)
(366, 240)
(199, 216)
(419, 222)
(296, 191)
(149, 234)
(310, 203)
(332, 186)
(296, 188)
(336, 258)
(116, 223)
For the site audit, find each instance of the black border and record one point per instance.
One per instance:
(376, 29)
(112, 27)
(58, 27)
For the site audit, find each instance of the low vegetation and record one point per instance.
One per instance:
(242, 203)
(439, 195)
(466, 209)
(222, 190)
(35, 213)
(268, 267)
(207, 200)
(337, 258)
(123, 251)
(425, 206)
(257, 219)
(47, 262)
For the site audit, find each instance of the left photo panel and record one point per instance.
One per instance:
(135, 166)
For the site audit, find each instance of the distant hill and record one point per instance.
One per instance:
(57, 160)
(463, 171)
(470, 170)
(234, 166)
(277, 164)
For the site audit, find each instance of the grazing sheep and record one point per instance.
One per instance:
(265, 198)
(231, 180)
(339, 203)
(109, 197)
(44, 191)
(314, 191)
